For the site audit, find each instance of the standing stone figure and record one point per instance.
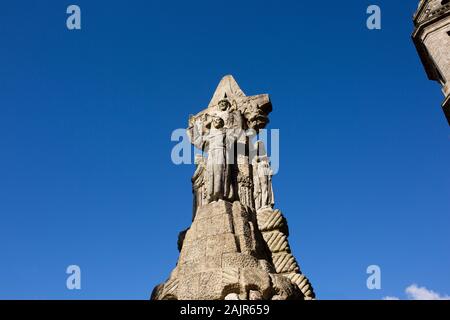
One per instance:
(262, 177)
(216, 132)
(218, 173)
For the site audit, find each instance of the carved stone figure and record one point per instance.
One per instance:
(262, 177)
(216, 132)
(218, 173)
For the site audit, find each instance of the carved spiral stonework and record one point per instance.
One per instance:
(303, 284)
(269, 220)
(285, 262)
(275, 232)
(276, 241)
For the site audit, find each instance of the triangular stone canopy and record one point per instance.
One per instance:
(227, 88)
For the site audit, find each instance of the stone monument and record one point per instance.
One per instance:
(432, 39)
(237, 246)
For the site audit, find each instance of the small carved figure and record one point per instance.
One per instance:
(262, 181)
(198, 184)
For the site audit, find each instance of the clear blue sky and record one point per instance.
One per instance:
(86, 117)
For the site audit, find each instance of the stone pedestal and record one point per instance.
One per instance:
(224, 256)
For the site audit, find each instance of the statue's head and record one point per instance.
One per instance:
(218, 122)
(224, 105)
(256, 113)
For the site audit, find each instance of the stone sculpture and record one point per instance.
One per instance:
(236, 247)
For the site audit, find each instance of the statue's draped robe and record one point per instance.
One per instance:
(218, 173)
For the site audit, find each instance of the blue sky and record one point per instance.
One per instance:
(86, 117)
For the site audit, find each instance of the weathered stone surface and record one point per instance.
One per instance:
(432, 39)
(283, 287)
(240, 259)
(221, 244)
(236, 247)
(267, 266)
(255, 295)
(256, 279)
(210, 286)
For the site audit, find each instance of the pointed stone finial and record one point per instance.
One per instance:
(227, 89)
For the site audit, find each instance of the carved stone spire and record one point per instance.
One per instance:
(236, 247)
